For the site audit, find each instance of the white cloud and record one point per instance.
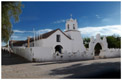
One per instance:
(44, 30)
(59, 21)
(14, 37)
(18, 31)
(106, 20)
(17, 37)
(85, 32)
(22, 35)
(103, 30)
(21, 31)
(40, 31)
(98, 16)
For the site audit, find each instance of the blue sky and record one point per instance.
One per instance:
(92, 17)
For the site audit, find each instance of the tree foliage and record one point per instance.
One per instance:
(113, 41)
(9, 10)
(86, 42)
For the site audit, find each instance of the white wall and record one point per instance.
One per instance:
(77, 42)
(51, 42)
(24, 52)
(34, 53)
(42, 53)
(46, 54)
(111, 53)
(72, 56)
(38, 43)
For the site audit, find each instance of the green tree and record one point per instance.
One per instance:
(86, 42)
(114, 41)
(9, 10)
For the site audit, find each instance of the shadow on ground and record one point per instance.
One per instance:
(11, 58)
(92, 71)
(60, 62)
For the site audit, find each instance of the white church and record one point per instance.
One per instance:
(59, 45)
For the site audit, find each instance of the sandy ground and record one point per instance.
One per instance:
(100, 68)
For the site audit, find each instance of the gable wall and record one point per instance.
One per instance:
(51, 42)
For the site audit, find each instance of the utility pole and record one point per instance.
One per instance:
(38, 34)
(8, 44)
(34, 36)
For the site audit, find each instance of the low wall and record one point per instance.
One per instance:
(111, 53)
(34, 53)
(24, 52)
(42, 53)
(72, 56)
(47, 54)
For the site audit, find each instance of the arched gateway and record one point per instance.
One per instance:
(97, 49)
(97, 45)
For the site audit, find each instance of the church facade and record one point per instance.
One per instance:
(59, 45)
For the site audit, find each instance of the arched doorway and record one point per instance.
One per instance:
(58, 48)
(97, 49)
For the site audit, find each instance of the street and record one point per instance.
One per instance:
(99, 68)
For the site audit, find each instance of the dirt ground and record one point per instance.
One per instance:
(100, 68)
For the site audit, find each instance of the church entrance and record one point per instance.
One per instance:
(58, 48)
(97, 49)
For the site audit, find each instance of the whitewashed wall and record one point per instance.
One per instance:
(24, 52)
(72, 56)
(38, 43)
(51, 42)
(110, 53)
(46, 54)
(77, 42)
(42, 53)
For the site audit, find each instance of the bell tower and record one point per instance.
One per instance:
(75, 35)
(71, 24)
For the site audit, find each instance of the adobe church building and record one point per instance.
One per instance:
(59, 45)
